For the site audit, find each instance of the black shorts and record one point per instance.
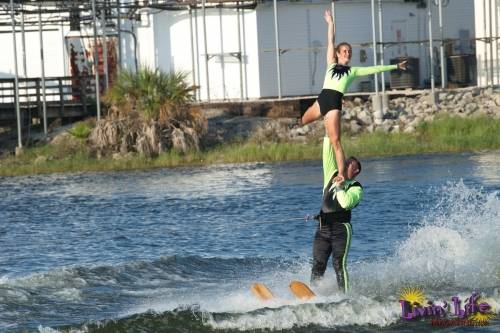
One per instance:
(329, 100)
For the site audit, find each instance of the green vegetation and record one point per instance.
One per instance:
(148, 113)
(148, 91)
(445, 134)
(80, 130)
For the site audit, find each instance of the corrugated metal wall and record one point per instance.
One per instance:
(487, 64)
(301, 25)
(164, 42)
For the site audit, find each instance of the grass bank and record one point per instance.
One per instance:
(445, 134)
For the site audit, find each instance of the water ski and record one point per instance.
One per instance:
(301, 290)
(261, 291)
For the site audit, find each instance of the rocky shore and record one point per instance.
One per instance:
(400, 114)
(276, 121)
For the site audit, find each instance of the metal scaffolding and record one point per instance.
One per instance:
(107, 17)
(97, 13)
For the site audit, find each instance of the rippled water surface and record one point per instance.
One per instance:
(175, 250)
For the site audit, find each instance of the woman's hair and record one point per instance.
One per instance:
(337, 49)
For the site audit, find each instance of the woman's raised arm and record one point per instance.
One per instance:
(330, 48)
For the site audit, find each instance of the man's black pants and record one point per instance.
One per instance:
(332, 238)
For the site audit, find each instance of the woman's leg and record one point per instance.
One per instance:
(312, 113)
(332, 127)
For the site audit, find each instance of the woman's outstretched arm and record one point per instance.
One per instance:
(361, 71)
(330, 48)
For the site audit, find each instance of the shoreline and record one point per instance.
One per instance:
(137, 164)
(446, 135)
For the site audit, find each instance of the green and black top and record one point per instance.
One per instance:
(337, 201)
(339, 77)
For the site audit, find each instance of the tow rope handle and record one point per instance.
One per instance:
(312, 217)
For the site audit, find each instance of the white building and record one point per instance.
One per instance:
(302, 39)
(175, 40)
(487, 13)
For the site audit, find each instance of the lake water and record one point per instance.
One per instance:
(175, 250)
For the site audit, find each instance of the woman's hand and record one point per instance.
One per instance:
(328, 16)
(330, 49)
(339, 179)
(402, 65)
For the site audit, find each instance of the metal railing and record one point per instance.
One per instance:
(60, 92)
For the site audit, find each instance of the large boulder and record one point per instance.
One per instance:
(365, 117)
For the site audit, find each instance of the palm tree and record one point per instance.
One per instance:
(150, 111)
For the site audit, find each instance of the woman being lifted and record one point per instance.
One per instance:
(337, 80)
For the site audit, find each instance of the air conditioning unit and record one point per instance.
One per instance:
(460, 69)
(405, 79)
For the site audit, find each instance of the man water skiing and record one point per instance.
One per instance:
(334, 230)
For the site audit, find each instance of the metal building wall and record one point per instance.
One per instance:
(302, 38)
(302, 27)
(487, 45)
(164, 41)
(226, 82)
(54, 52)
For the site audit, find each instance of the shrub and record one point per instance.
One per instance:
(149, 113)
(148, 91)
(80, 130)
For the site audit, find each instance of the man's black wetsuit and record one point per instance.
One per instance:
(334, 230)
